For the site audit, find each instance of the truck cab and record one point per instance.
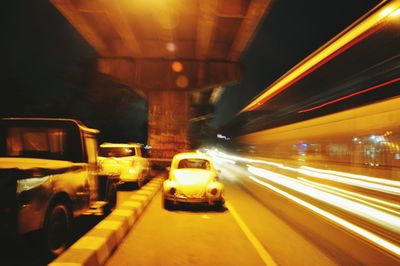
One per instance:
(49, 176)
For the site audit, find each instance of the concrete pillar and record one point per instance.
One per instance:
(169, 113)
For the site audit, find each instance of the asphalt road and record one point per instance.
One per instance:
(256, 227)
(242, 233)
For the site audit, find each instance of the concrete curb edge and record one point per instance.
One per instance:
(97, 245)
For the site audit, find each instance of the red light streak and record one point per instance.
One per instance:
(351, 95)
(321, 63)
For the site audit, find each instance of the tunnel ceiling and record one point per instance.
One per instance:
(138, 40)
(167, 29)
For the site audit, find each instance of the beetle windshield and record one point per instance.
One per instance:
(194, 163)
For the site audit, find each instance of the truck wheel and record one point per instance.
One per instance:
(140, 180)
(111, 198)
(57, 229)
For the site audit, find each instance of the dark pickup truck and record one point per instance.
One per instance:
(48, 177)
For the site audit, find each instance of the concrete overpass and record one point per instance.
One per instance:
(177, 54)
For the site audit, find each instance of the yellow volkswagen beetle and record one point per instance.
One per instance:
(193, 178)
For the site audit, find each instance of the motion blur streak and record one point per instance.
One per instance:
(350, 226)
(376, 216)
(364, 184)
(332, 175)
(369, 178)
(350, 95)
(343, 42)
(352, 195)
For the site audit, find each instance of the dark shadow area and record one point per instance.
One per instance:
(28, 250)
(197, 208)
(127, 186)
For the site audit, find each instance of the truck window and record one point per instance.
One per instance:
(47, 143)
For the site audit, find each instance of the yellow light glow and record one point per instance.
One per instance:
(182, 81)
(385, 12)
(376, 216)
(170, 47)
(361, 177)
(322, 54)
(352, 195)
(395, 13)
(177, 66)
(354, 182)
(350, 226)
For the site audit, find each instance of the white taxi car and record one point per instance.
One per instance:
(193, 178)
(128, 160)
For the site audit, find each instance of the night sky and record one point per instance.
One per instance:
(48, 69)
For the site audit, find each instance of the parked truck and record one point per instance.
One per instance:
(48, 177)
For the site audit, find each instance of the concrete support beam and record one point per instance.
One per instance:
(169, 113)
(255, 12)
(157, 74)
(118, 17)
(89, 33)
(205, 28)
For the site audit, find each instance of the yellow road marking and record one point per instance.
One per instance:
(265, 256)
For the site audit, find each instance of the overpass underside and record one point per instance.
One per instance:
(174, 53)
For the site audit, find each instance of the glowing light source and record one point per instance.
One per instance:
(342, 43)
(177, 66)
(395, 13)
(170, 46)
(182, 82)
(350, 226)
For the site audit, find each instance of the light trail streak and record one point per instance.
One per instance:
(350, 95)
(351, 195)
(326, 53)
(361, 177)
(377, 211)
(376, 216)
(368, 182)
(387, 245)
(358, 183)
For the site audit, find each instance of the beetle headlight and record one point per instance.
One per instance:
(213, 188)
(170, 187)
(172, 191)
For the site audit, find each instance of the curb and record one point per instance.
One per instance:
(97, 245)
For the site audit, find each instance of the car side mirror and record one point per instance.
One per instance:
(218, 174)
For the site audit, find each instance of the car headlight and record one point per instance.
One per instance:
(172, 191)
(213, 188)
(170, 187)
(214, 191)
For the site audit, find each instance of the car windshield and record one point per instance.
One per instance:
(194, 163)
(116, 151)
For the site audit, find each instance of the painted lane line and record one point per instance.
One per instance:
(265, 256)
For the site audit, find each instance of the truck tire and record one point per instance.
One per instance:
(57, 229)
(111, 197)
(141, 180)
